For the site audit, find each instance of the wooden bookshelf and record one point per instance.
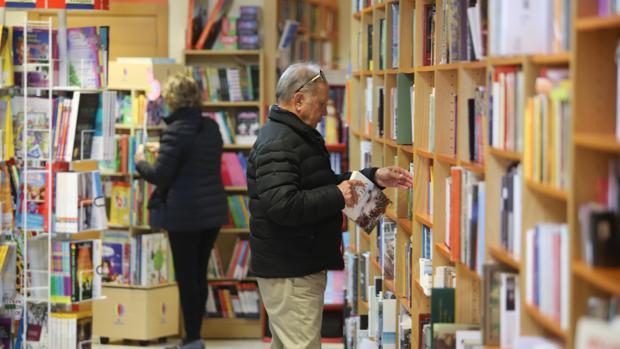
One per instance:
(592, 142)
(227, 238)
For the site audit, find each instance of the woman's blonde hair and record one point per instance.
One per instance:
(182, 91)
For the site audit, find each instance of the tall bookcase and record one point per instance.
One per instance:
(232, 327)
(317, 37)
(446, 88)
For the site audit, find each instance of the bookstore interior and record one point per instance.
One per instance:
(508, 238)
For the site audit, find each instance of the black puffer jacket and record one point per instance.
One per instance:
(295, 205)
(188, 166)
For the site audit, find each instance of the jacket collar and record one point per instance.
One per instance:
(183, 114)
(281, 115)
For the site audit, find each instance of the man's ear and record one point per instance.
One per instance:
(298, 99)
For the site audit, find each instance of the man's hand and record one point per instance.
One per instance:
(348, 191)
(393, 176)
(139, 155)
(153, 147)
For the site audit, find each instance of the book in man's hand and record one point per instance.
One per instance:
(371, 204)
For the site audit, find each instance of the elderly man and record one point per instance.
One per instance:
(296, 204)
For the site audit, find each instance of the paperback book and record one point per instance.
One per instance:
(371, 204)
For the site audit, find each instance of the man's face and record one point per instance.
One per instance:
(313, 105)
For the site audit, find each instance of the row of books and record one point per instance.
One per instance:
(506, 108)
(511, 211)
(238, 212)
(82, 127)
(131, 110)
(142, 259)
(74, 276)
(234, 84)
(241, 128)
(233, 300)
(124, 149)
(238, 266)
(70, 330)
(128, 202)
(83, 64)
(465, 218)
(80, 202)
(335, 161)
(234, 166)
(547, 130)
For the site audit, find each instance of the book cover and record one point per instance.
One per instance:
(120, 204)
(83, 55)
(371, 204)
(403, 108)
(247, 127)
(445, 334)
(83, 270)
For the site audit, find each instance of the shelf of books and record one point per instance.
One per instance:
(510, 132)
(310, 32)
(233, 95)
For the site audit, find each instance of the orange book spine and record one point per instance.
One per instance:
(455, 215)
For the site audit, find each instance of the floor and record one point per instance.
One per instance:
(213, 344)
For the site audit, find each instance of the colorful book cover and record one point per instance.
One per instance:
(38, 52)
(120, 205)
(83, 55)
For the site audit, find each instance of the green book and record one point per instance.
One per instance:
(403, 108)
(442, 305)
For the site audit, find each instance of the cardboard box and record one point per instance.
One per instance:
(137, 313)
(137, 76)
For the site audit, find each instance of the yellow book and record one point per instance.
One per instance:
(537, 150)
(4, 249)
(8, 145)
(120, 209)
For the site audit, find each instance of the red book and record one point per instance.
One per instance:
(455, 215)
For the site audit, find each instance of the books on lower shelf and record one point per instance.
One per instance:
(238, 266)
(70, 330)
(465, 233)
(547, 130)
(74, 277)
(142, 191)
(387, 233)
(352, 285)
(510, 210)
(140, 260)
(80, 202)
(238, 212)
(547, 271)
(135, 109)
(475, 118)
(600, 323)
(240, 129)
(234, 84)
(230, 300)
(506, 108)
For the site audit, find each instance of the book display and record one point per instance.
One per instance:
(505, 240)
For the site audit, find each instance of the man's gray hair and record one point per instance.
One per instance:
(293, 78)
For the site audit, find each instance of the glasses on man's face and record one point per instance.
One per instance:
(320, 75)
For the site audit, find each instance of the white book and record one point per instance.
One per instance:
(466, 338)
(373, 312)
(565, 278)
(501, 139)
(509, 309)
(67, 212)
(75, 104)
(495, 114)
(388, 337)
(481, 248)
(589, 330)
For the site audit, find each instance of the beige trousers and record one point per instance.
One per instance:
(295, 309)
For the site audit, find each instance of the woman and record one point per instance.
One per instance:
(187, 176)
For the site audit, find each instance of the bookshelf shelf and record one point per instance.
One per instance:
(446, 159)
(222, 52)
(366, 237)
(407, 149)
(473, 167)
(442, 249)
(237, 146)
(139, 127)
(406, 225)
(419, 287)
(474, 65)
(389, 213)
(468, 272)
(406, 305)
(389, 284)
(380, 6)
(367, 10)
(375, 264)
(451, 66)
(547, 190)
(424, 218)
(598, 23)
(225, 104)
(557, 58)
(515, 60)
(357, 15)
(425, 69)
(504, 257)
(424, 153)
(115, 174)
(505, 154)
(545, 322)
(600, 142)
(137, 287)
(236, 189)
(235, 230)
(390, 143)
(364, 306)
(607, 279)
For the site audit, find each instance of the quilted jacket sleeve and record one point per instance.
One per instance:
(368, 172)
(279, 188)
(164, 170)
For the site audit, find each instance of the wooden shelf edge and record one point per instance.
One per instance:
(406, 225)
(553, 58)
(222, 52)
(505, 154)
(375, 264)
(389, 213)
(548, 324)
(607, 279)
(547, 190)
(470, 273)
(503, 256)
(596, 22)
(425, 219)
(597, 141)
(418, 285)
(424, 153)
(366, 236)
(447, 159)
(443, 249)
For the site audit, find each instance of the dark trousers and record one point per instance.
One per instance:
(191, 252)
